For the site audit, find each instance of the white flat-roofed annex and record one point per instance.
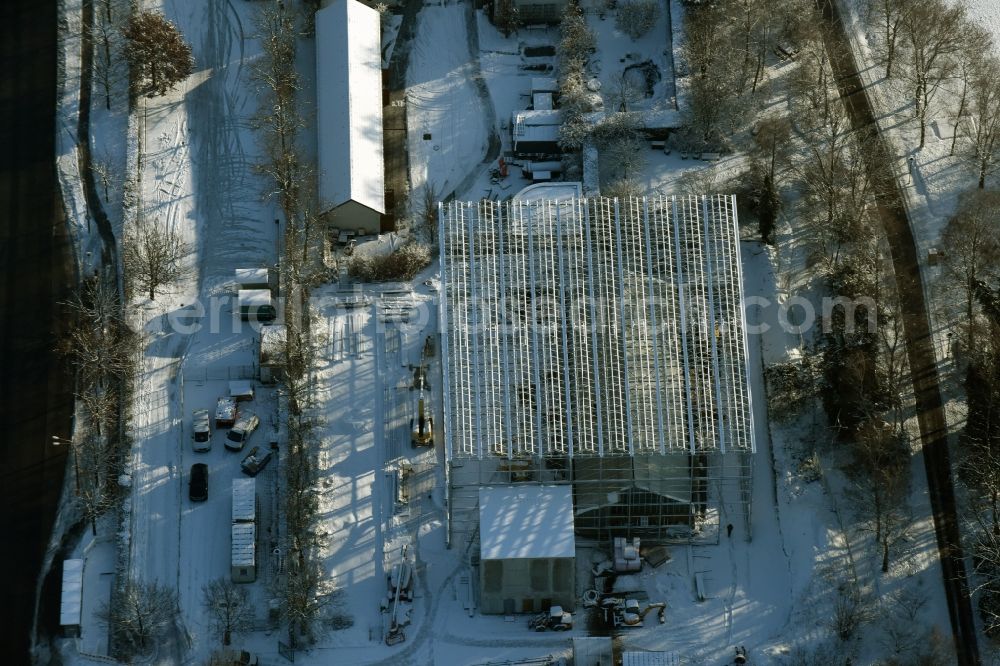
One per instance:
(517, 522)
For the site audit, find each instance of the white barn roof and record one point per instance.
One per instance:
(526, 521)
(349, 106)
(72, 592)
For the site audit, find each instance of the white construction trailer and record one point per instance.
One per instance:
(243, 568)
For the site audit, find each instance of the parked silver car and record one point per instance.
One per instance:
(246, 423)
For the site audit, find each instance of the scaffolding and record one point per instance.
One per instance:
(599, 343)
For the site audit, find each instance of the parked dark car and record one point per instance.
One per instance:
(256, 460)
(198, 484)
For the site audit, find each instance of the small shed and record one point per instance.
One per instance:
(535, 132)
(71, 603)
(253, 278)
(593, 651)
(527, 549)
(273, 339)
(256, 304)
(244, 500)
(243, 567)
(650, 659)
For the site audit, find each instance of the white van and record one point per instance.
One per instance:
(201, 430)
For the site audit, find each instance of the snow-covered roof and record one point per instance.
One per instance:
(243, 544)
(349, 106)
(529, 118)
(531, 133)
(240, 387)
(72, 592)
(542, 101)
(650, 659)
(251, 276)
(254, 297)
(526, 521)
(272, 343)
(544, 84)
(244, 500)
(627, 333)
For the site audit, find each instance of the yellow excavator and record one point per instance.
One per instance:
(422, 426)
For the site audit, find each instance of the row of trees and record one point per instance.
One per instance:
(940, 52)
(945, 58)
(304, 592)
(972, 287)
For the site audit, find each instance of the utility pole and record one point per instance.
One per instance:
(59, 441)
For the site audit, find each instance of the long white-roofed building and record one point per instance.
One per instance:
(599, 343)
(351, 176)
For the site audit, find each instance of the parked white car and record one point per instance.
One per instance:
(246, 423)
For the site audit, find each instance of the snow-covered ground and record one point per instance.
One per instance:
(774, 593)
(449, 121)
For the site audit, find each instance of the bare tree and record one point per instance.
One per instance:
(622, 147)
(105, 174)
(754, 23)
(93, 466)
(882, 458)
(889, 15)
(972, 242)
(157, 53)
(933, 30)
(229, 606)
(99, 342)
(624, 92)
(637, 17)
(109, 69)
(152, 254)
(141, 617)
(974, 45)
(985, 108)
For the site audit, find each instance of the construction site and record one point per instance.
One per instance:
(597, 344)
